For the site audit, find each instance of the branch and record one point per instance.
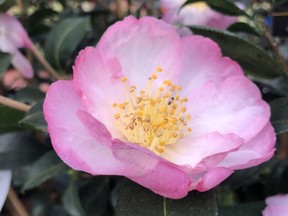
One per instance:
(14, 104)
(16, 206)
(38, 54)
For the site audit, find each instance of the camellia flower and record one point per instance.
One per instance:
(169, 113)
(198, 13)
(276, 206)
(12, 37)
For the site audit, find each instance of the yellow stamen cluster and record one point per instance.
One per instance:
(153, 118)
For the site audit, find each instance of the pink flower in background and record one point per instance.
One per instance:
(276, 206)
(12, 37)
(169, 113)
(194, 14)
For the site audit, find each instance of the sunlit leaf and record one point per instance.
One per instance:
(136, 200)
(44, 169)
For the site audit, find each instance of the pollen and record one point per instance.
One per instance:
(154, 117)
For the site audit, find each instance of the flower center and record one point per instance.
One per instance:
(153, 118)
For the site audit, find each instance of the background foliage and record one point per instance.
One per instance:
(60, 29)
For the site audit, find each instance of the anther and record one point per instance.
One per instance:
(159, 69)
(123, 79)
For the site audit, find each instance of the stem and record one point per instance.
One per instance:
(164, 207)
(15, 204)
(38, 54)
(14, 104)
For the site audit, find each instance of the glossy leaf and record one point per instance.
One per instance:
(63, 39)
(17, 151)
(246, 176)
(94, 194)
(279, 116)
(5, 60)
(277, 179)
(41, 21)
(44, 169)
(9, 119)
(223, 6)
(243, 27)
(35, 118)
(71, 200)
(6, 5)
(252, 58)
(247, 209)
(136, 200)
(29, 95)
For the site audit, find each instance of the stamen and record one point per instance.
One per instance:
(154, 117)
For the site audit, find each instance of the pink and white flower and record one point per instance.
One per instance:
(12, 37)
(194, 14)
(276, 206)
(167, 112)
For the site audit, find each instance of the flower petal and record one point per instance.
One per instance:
(157, 174)
(276, 206)
(235, 106)
(13, 34)
(100, 85)
(256, 151)
(141, 46)
(21, 63)
(70, 138)
(212, 178)
(196, 52)
(208, 150)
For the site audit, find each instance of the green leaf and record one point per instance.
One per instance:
(17, 151)
(277, 179)
(29, 95)
(223, 6)
(94, 194)
(247, 209)
(35, 118)
(5, 60)
(252, 58)
(41, 21)
(63, 40)
(279, 115)
(243, 27)
(47, 167)
(246, 176)
(9, 119)
(71, 200)
(136, 200)
(6, 5)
